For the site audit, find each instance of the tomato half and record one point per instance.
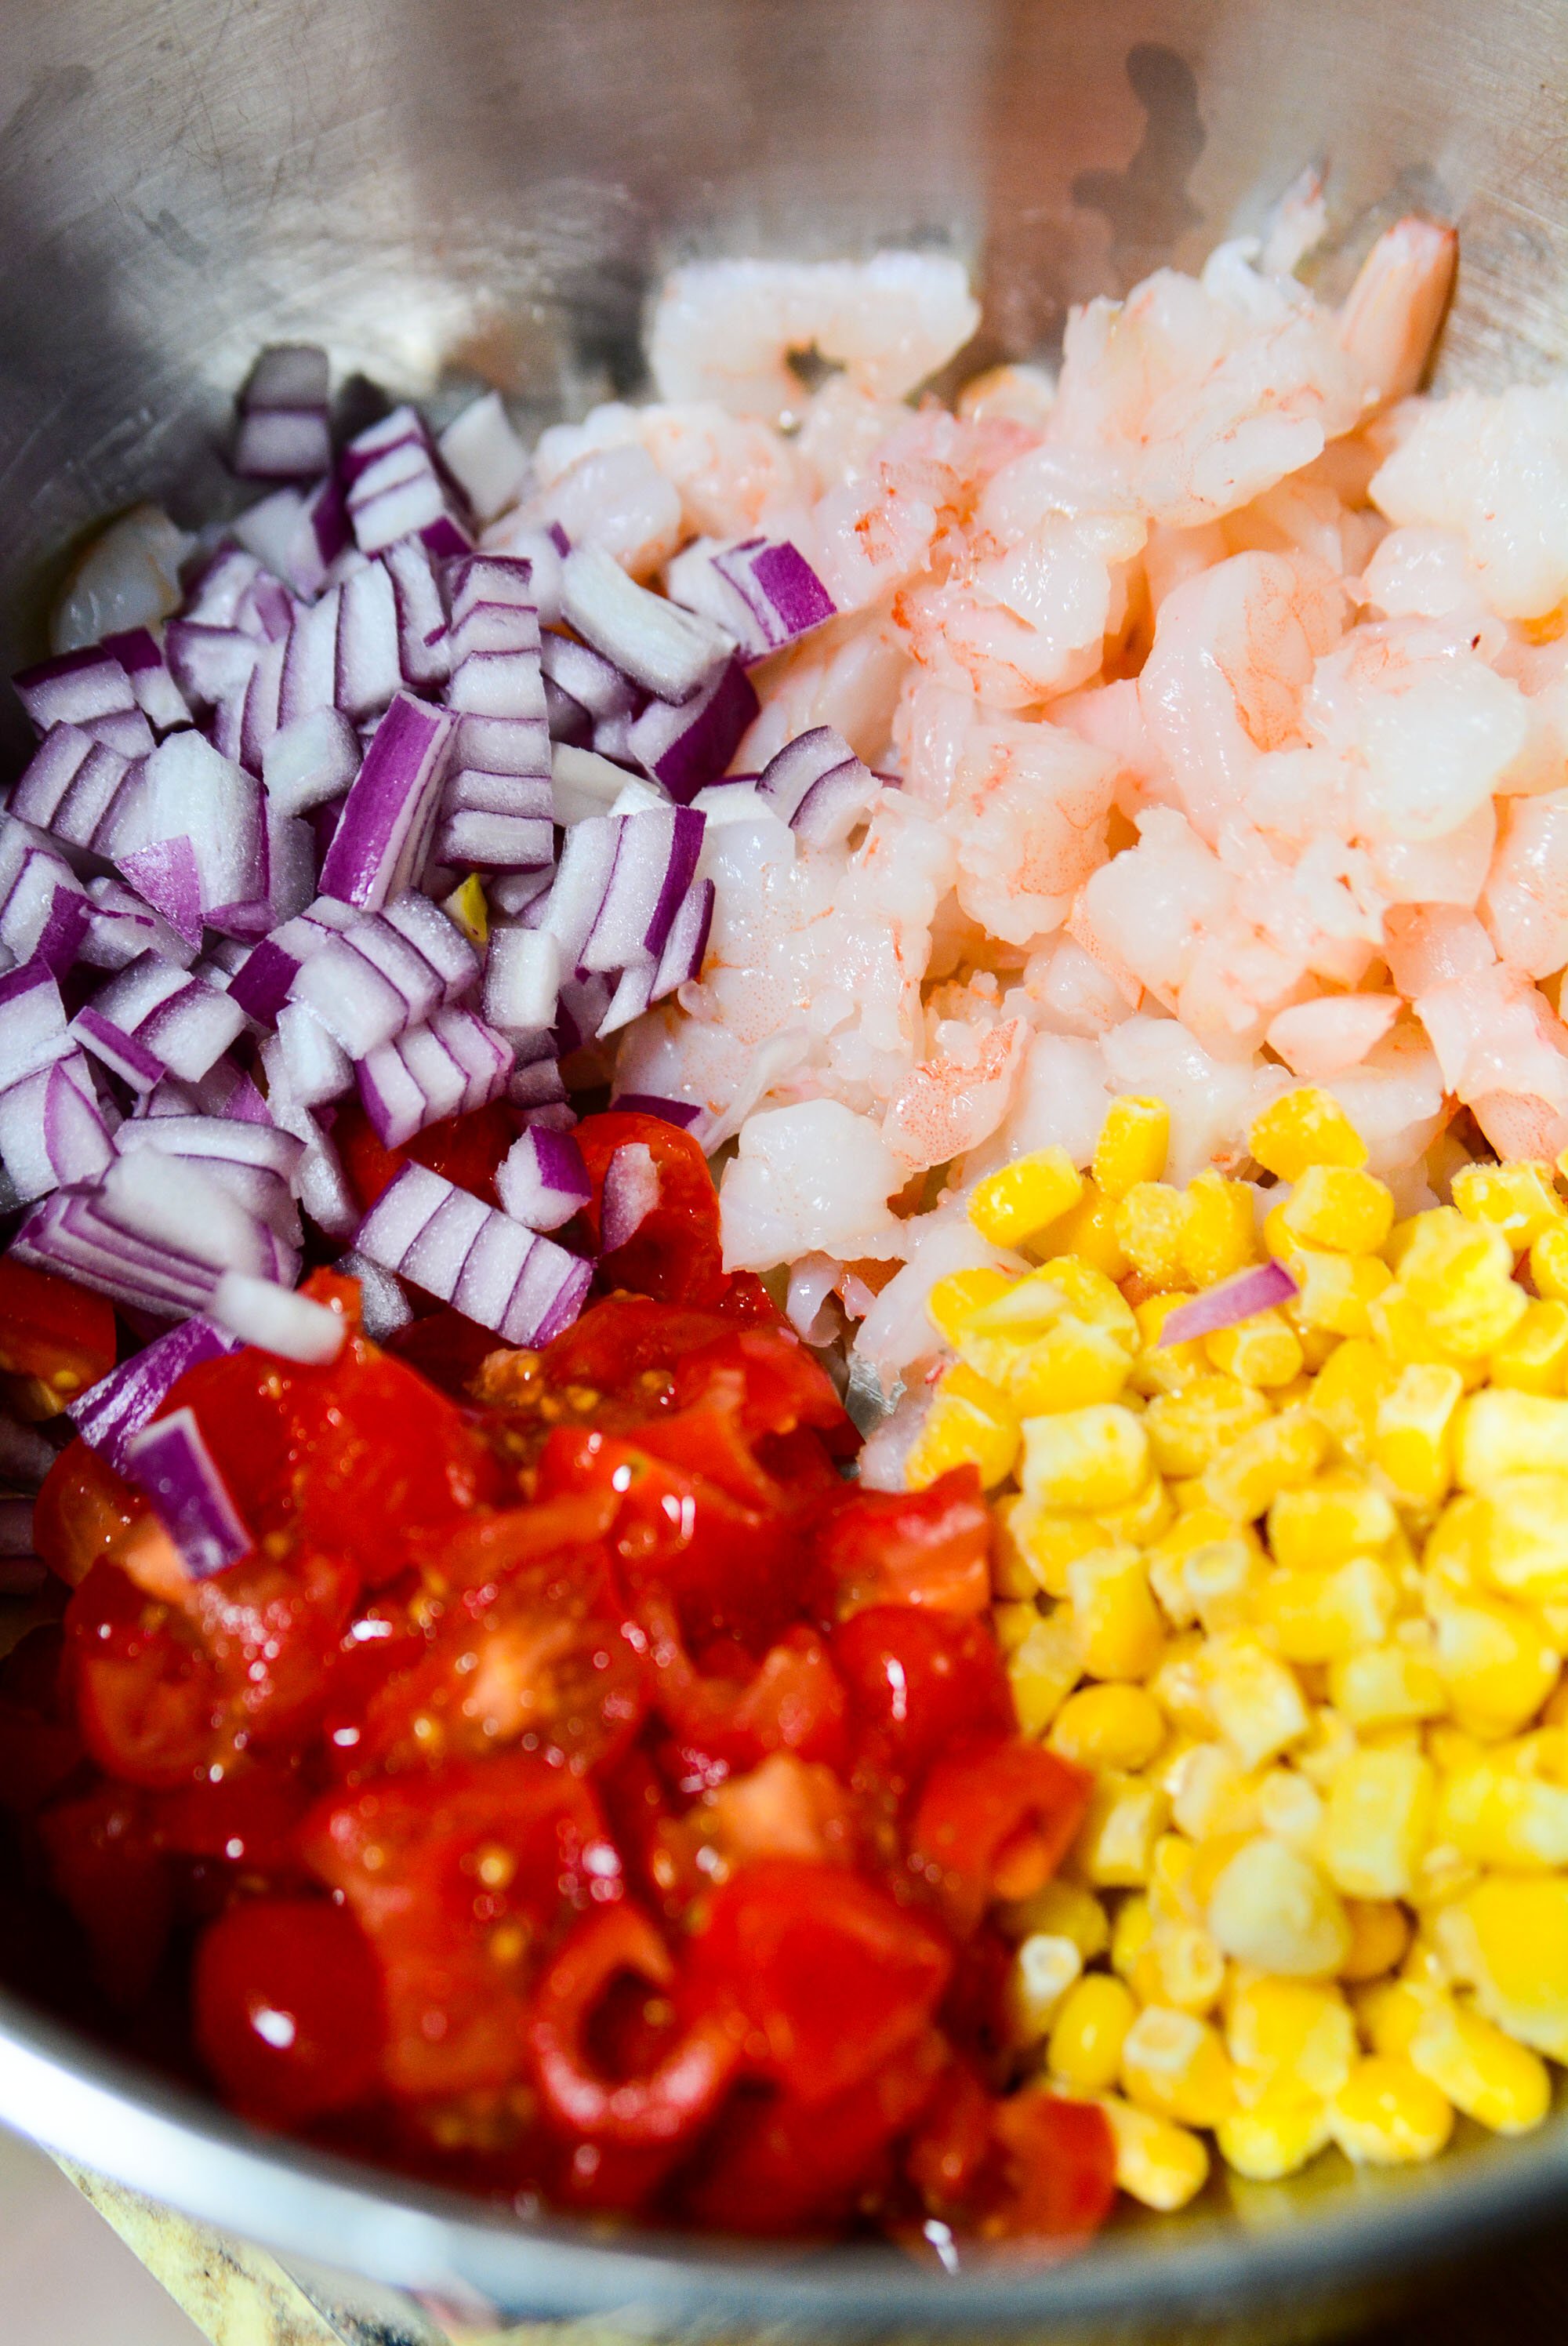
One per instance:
(929, 1547)
(54, 1335)
(995, 1823)
(82, 1512)
(286, 2005)
(919, 1682)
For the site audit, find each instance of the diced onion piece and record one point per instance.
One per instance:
(277, 1321)
(170, 1460)
(1226, 1305)
(485, 456)
(668, 651)
(109, 1414)
(688, 747)
(542, 1181)
(631, 1192)
(524, 1287)
(380, 845)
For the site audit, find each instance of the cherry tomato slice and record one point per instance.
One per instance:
(106, 1867)
(1030, 2167)
(286, 2004)
(466, 1149)
(53, 1332)
(995, 1823)
(929, 1547)
(792, 1701)
(675, 1255)
(82, 1512)
(919, 1682)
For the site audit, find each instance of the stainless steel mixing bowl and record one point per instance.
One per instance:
(451, 190)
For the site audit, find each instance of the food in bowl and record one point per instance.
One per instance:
(1023, 1630)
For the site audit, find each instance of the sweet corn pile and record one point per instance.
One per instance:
(1296, 1592)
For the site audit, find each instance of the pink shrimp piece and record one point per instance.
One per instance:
(1391, 314)
(948, 1105)
(1233, 656)
(1068, 992)
(1111, 717)
(847, 674)
(1451, 869)
(1525, 902)
(1519, 1123)
(1428, 945)
(1492, 1031)
(1031, 811)
(1324, 1037)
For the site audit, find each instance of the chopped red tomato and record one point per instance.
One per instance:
(790, 1701)
(105, 1865)
(1029, 2167)
(675, 1254)
(56, 1337)
(929, 1547)
(919, 1682)
(39, 1745)
(83, 1511)
(459, 1878)
(286, 2008)
(995, 1823)
(466, 1149)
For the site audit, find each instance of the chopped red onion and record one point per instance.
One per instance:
(166, 876)
(688, 746)
(170, 1460)
(762, 590)
(383, 1306)
(310, 761)
(283, 433)
(587, 862)
(209, 664)
(394, 485)
(33, 1031)
(514, 892)
(592, 682)
(189, 791)
(654, 858)
(631, 1192)
(423, 649)
(524, 1287)
(121, 925)
(485, 456)
(158, 695)
(449, 1067)
(535, 550)
(382, 841)
(385, 973)
(110, 1413)
(71, 1233)
(1233, 1300)
(75, 688)
(31, 879)
(303, 1061)
(215, 592)
(583, 1004)
(69, 784)
(684, 1113)
(538, 1082)
(583, 783)
(668, 651)
(522, 979)
(369, 662)
(52, 1130)
(818, 786)
(150, 1019)
(310, 671)
(542, 1181)
(268, 1315)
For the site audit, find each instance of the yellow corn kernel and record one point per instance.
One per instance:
(1144, 1518)
(1170, 1876)
(1406, 1337)
(1500, 1433)
(1272, 1907)
(1221, 1580)
(1337, 1516)
(1185, 1970)
(1187, 1430)
(954, 1300)
(1060, 1910)
(1158, 2163)
(1089, 1458)
(1149, 1223)
(1483, 2072)
(1162, 1367)
(1084, 2049)
(1131, 1144)
(1387, 2115)
(1414, 1441)
(1045, 1669)
(1334, 1206)
(1119, 1622)
(1116, 1843)
(1533, 1356)
(1130, 1934)
(1219, 1235)
(1109, 1726)
(1380, 1934)
(1392, 1685)
(1549, 1262)
(969, 1424)
(1274, 2135)
(1213, 1797)
(1199, 1527)
(1176, 1687)
(1012, 1623)
(468, 911)
(1328, 1740)
(1318, 1617)
(1263, 1351)
(1517, 1537)
(1280, 1454)
(1020, 1198)
(1174, 2065)
(1289, 2031)
(1377, 1823)
(1389, 2014)
(1520, 1199)
(1289, 1806)
(1255, 1700)
(1460, 1274)
(1498, 1813)
(1507, 1938)
(1303, 1127)
(1044, 1968)
(1068, 1286)
(1012, 1574)
(1495, 1661)
(1345, 1395)
(1339, 1294)
(1070, 1366)
(1089, 1229)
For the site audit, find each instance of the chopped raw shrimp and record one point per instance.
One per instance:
(1022, 394)
(1395, 1099)
(908, 511)
(1391, 314)
(1064, 990)
(1451, 869)
(1111, 716)
(1419, 573)
(1213, 1101)
(1298, 225)
(843, 432)
(1301, 516)
(1495, 1031)
(732, 475)
(1525, 902)
(1335, 1031)
(617, 498)
(847, 674)
(949, 1104)
(811, 1179)
(1216, 389)
(1028, 815)
(1060, 1102)
(1428, 944)
(726, 329)
(1495, 468)
(1233, 656)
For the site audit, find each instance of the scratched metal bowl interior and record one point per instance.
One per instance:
(448, 192)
